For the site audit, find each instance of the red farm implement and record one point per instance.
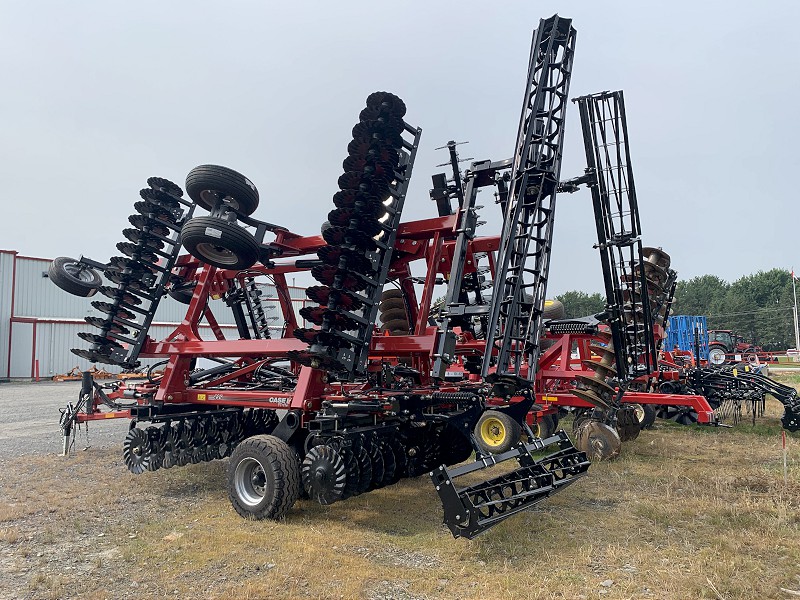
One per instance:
(340, 409)
(384, 386)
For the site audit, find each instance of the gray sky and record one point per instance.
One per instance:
(98, 96)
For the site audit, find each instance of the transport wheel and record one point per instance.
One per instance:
(554, 309)
(649, 416)
(219, 243)
(182, 295)
(544, 427)
(73, 277)
(263, 478)
(496, 432)
(716, 355)
(598, 440)
(209, 184)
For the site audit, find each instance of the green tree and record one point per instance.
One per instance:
(697, 295)
(581, 304)
(757, 307)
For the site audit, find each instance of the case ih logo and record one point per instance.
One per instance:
(279, 400)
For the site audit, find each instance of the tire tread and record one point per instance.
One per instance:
(283, 462)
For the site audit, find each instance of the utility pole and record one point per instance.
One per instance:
(796, 329)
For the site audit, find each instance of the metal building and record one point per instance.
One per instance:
(39, 321)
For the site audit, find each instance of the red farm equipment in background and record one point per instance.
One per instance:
(726, 347)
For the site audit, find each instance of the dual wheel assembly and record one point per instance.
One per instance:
(218, 239)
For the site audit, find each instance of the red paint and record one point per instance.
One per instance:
(34, 362)
(13, 293)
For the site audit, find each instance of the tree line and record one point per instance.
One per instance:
(757, 307)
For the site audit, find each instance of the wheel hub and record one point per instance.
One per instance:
(218, 254)
(493, 432)
(250, 481)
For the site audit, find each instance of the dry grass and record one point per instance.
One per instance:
(685, 513)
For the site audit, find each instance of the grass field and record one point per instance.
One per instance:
(686, 512)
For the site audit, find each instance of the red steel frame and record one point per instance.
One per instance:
(559, 365)
(431, 240)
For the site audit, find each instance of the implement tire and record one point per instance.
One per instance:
(73, 277)
(263, 478)
(220, 243)
(208, 184)
(496, 432)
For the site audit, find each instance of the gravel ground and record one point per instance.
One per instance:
(29, 416)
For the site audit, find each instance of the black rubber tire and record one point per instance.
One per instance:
(281, 470)
(649, 416)
(72, 278)
(182, 295)
(511, 432)
(554, 309)
(219, 243)
(545, 427)
(204, 181)
(716, 355)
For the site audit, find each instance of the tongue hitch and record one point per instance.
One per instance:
(473, 509)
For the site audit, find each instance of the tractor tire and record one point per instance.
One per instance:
(74, 278)
(496, 432)
(263, 478)
(716, 355)
(208, 184)
(220, 243)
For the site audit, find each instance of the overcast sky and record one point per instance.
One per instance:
(97, 96)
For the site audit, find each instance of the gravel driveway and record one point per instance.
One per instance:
(29, 415)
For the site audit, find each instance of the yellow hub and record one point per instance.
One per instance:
(493, 432)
